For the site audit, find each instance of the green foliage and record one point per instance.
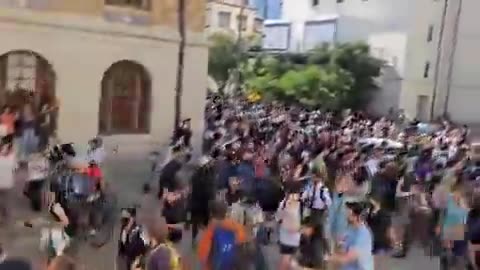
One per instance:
(328, 77)
(223, 57)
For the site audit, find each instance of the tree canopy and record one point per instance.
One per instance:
(333, 77)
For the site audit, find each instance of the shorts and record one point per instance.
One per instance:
(401, 217)
(288, 250)
(460, 248)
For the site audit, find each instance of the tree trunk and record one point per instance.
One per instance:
(181, 57)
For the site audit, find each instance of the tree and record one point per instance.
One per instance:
(356, 59)
(222, 58)
(328, 77)
(180, 64)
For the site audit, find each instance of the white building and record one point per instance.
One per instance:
(406, 34)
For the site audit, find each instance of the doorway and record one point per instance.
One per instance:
(422, 108)
(125, 100)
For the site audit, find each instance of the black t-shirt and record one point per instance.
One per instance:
(473, 226)
(168, 175)
(379, 223)
(385, 189)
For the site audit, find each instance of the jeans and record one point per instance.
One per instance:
(34, 191)
(4, 205)
(28, 143)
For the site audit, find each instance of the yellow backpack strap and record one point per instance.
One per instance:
(174, 257)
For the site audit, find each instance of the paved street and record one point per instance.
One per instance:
(127, 173)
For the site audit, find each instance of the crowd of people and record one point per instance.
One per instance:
(59, 185)
(333, 190)
(25, 133)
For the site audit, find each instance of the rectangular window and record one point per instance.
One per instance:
(430, 33)
(315, 2)
(137, 4)
(242, 20)
(426, 70)
(224, 19)
(258, 25)
(339, 1)
(208, 17)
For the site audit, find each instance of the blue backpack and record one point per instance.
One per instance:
(223, 249)
(78, 186)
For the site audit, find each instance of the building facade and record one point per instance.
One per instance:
(268, 9)
(427, 45)
(442, 61)
(111, 64)
(236, 17)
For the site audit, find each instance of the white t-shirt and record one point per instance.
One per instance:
(98, 156)
(37, 168)
(372, 166)
(7, 168)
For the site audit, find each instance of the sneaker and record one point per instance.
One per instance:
(399, 254)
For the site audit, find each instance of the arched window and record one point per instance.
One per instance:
(125, 101)
(26, 75)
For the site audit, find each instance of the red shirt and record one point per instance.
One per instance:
(96, 174)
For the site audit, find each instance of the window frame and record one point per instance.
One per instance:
(426, 70)
(146, 5)
(258, 24)
(430, 33)
(315, 3)
(243, 21)
(219, 21)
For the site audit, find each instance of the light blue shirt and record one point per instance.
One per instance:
(455, 215)
(360, 240)
(337, 218)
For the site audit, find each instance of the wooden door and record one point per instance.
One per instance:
(124, 102)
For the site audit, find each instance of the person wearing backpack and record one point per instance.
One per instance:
(162, 254)
(317, 201)
(220, 247)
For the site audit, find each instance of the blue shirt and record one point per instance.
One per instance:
(337, 217)
(455, 215)
(360, 240)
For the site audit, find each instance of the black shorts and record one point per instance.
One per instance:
(288, 250)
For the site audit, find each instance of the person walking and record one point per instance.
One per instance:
(162, 255)
(28, 132)
(317, 200)
(7, 121)
(356, 251)
(202, 194)
(289, 217)
(221, 245)
(7, 182)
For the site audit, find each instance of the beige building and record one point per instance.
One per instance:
(450, 85)
(236, 17)
(110, 63)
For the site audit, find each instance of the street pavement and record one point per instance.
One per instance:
(127, 172)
